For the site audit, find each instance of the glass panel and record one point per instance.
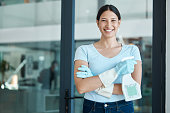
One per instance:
(13, 2)
(134, 14)
(32, 14)
(30, 60)
(131, 9)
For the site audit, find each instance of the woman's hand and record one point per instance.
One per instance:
(125, 67)
(85, 72)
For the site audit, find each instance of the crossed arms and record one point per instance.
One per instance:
(94, 82)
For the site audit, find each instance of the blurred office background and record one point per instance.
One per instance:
(30, 33)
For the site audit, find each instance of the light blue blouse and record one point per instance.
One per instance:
(98, 64)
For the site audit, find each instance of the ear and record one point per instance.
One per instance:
(97, 21)
(119, 22)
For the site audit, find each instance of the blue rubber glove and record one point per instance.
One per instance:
(85, 72)
(123, 68)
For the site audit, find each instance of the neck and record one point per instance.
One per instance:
(108, 42)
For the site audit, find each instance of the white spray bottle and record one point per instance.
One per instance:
(131, 89)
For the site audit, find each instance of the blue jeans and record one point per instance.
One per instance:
(110, 107)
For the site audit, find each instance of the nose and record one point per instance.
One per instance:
(108, 24)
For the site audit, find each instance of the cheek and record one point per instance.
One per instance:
(100, 27)
(117, 24)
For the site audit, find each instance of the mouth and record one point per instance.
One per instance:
(108, 30)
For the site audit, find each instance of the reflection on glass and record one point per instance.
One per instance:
(48, 76)
(31, 70)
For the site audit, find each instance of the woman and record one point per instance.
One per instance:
(106, 54)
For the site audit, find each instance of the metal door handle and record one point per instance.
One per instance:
(67, 97)
(73, 97)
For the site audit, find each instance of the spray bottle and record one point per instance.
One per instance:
(131, 89)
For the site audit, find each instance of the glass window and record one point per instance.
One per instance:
(30, 57)
(13, 2)
(32, 14)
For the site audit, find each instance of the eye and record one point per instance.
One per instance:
(113, 20)
(103, 20)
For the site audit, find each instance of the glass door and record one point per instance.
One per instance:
(30, 56)
(135, 29)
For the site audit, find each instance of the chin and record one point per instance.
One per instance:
(109, 37)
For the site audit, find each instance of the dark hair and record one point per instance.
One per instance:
(106, 8)
(53, 63)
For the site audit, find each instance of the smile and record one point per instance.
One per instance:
(108, 30)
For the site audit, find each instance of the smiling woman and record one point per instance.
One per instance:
(98, 68)
(108, 24)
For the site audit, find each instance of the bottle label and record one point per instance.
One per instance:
(131, 89)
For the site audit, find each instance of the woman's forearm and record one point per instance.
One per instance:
(88, 84)
(92, 83)
(117, 90)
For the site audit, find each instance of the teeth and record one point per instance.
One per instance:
(109, 30)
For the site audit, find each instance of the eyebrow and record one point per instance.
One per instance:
(105, 18)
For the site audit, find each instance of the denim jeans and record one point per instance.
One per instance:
(110, 107)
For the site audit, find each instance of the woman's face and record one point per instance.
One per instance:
(108, 24)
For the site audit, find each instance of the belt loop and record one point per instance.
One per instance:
(94, 106)
(117, 106)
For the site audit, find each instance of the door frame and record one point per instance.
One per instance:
(159, 56)
(67, 55)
